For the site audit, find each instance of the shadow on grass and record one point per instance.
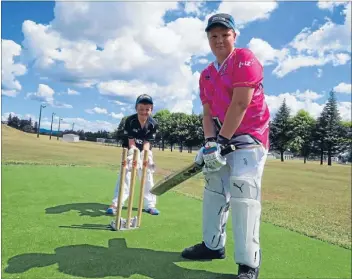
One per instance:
(84, 209)
(115, 260)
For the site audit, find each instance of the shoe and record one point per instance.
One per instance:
(111, 210)
(152, 211)
(246, 272)
(202, 252)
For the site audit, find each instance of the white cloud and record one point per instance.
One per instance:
(307, 95)
(306, 101)
(203, 61)
(274, 102)
(343, 88)
(266, 54)
(45, 94)
(72, 92)
(90, 44)
(176, 96)
(329, 5)
(79, 124)
(10, 69)
(97, 110)
(329, 37)
(345, 110)
(117, 102)
(9, 93)
(319, 73)
(245, 12)
(194, 7)
(117, 115)
(329, 44)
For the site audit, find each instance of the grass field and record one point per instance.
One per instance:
(53, 224)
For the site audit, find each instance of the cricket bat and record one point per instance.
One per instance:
(182, 175)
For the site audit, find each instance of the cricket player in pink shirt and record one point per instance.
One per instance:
(234, 112)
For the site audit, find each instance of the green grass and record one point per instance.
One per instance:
(54, 226)
(54, 196)
(307, 198)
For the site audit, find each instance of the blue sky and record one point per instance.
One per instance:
(88, 61)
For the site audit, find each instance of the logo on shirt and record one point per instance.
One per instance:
(135, 130)
(246, 63)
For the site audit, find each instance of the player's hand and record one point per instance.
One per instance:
(213, 160)
(150, 165)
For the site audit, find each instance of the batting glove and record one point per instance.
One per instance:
(213, 160)
(199, 157)
(151, 165)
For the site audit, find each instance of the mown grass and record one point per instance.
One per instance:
(54, 226)
(307, 198)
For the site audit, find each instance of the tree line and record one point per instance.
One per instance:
(301, 134)
(304, 136)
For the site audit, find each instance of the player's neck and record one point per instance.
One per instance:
(221, 59)
(142, 122)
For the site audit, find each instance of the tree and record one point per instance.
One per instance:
(195, 134)
(9, 120)
(35, 126)
(15, 122)
(302, 128)
(329, 130)
(164, 123)
(119, 135)
(280, 130)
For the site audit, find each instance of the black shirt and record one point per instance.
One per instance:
(133, 130)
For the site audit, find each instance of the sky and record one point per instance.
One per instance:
(88, 61)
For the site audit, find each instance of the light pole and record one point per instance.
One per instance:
(51, 127)
(58, 130)
(40, 116)
(73, 125)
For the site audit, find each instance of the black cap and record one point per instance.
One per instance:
(223, 19)
(144, 98)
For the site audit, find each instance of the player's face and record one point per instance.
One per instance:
(221, 41)
(144, 110)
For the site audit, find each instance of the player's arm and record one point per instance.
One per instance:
(131, 143)
(241, 98)
(149, 137)
(208, 124)
(247, 76)
(129, 133)
(146, 145)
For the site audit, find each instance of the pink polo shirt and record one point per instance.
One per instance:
(240, 69)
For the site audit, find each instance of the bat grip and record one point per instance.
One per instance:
(228, 149)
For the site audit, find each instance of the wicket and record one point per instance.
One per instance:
(126, 224)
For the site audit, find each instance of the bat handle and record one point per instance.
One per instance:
(228, 149)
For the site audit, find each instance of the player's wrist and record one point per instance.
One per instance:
(222, 140)
(210, 139)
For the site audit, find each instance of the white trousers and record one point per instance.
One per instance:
(237, 185)
(149, 199)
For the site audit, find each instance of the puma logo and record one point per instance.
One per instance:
(239, 187)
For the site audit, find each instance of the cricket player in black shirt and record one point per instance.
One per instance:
(140, 130)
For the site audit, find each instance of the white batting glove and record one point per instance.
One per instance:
(213, 160)
(150, 165)
(199, 157)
